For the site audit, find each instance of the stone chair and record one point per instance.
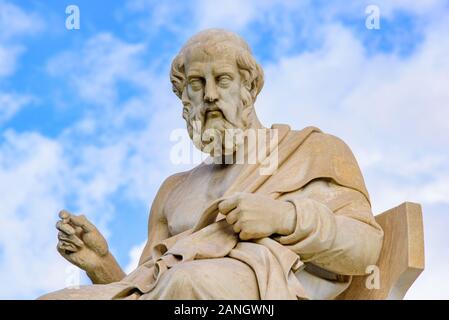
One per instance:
(402, 257)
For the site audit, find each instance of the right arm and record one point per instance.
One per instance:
(82, 244)
(157, 222)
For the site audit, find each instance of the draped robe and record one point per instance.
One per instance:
(335, 235)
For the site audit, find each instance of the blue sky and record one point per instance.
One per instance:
(86, 115)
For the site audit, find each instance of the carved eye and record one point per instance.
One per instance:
(224, 80)
(196, 84)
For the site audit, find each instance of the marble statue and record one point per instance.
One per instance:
(226, 229)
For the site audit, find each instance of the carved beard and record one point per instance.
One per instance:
(208, 129)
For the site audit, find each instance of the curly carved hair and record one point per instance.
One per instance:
(213, 40)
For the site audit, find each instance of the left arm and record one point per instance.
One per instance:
(327, 224)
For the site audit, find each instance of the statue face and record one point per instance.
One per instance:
(212, 98)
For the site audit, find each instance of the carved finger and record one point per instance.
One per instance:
(228, 204)
(64, 214)
(65, 227)
(70, 239)
(63, 247)
(237, 227)
(68, 246)
(233, 216)
(59, 248)
(244, 235)
(78, 230)
(81, 221)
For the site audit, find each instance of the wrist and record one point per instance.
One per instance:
(107, 270)
(287, 221)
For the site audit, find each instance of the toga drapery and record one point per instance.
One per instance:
(334, 238)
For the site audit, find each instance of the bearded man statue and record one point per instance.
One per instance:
(227, 229)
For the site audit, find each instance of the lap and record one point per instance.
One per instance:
(86, 292)
(221, 278)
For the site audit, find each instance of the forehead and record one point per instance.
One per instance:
(201, 59)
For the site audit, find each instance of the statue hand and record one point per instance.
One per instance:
(256, 216)
(80, 242)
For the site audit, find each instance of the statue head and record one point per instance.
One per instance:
(217, 79)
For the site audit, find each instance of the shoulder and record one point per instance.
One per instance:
(167, 187)
(329, 156)
(320, 142)
(172, 181)
(318, 136)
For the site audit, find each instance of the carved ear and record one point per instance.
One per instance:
(177, 76)
(251, 71)
(246, 79)
(253, 80)
(257, 82)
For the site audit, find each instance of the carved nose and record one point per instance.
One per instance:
(210, 93)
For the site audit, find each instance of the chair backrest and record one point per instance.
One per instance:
(401, 260)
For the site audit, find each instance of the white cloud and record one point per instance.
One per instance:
(420, 8)
(10, 104)
(235, 14)
(105, 61)
(15, 22)
(39, 176)
(287, 23)
(8, 59)
(31, 193)
(134, 257)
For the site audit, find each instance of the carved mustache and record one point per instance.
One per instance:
(212, 107)
(201, 113)
(204, 111)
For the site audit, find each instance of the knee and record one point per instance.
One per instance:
(47, 296)
(56, 295)
(185, 275)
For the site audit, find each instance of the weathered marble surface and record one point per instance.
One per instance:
(229, 231)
